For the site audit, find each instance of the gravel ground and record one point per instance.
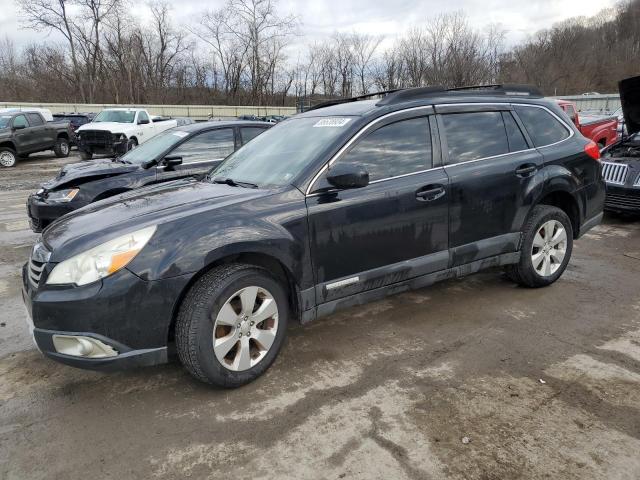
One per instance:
(469, 379)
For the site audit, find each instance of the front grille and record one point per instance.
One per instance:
(100, 138)
(615, 173)
(618, 200)
(39, 258)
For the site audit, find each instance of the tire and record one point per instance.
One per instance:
(86, 155)
(131, 144)
(8, 157)
(538, 250)
(214, 300)
(62, 148)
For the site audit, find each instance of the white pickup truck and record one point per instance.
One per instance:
(115, 131)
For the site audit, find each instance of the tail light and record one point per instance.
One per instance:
(593, 150)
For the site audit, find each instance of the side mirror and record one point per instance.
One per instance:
(19, 127)
(171, 161)
(345, 176)
(143, 122)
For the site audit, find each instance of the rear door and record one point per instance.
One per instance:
(493, 170)
(200, 153)
(394, 229)
(42, 136)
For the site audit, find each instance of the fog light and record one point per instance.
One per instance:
(86, 347)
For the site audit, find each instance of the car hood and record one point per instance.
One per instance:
(114, 127)
(159, 204)
(630, 98)
(79, 173)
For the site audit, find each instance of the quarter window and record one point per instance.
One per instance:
(20, 121)
(544, 128)
(514, 134)
(207, 146)
(397, 149)
(471, 136)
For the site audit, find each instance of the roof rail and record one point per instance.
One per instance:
(391, 97)
(339, 101)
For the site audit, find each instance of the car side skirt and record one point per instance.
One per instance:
(368, 296)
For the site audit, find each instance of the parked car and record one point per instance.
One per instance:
(115, 131)
(45, 112)
(622, 128)
(23, 132)
(187, 151)
(334, 207)
(601, 129)
(621, 162)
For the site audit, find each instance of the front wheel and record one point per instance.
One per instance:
(131, 144)
(62, 148)
(231, 325)
(7, 157)
(546, 248)
(86, 155)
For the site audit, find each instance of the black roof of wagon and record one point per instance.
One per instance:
(364, 104)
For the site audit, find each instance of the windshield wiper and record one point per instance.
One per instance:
(234, 183)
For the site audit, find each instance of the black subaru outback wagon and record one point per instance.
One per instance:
(338, 206)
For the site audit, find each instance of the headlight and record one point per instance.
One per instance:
(63, 195)
(100, 261)
(120, 137)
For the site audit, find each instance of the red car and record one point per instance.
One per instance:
(602, 130)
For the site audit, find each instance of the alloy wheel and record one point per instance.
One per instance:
(7, 159)
(245, 328)
(549, 248)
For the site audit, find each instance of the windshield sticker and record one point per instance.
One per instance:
(181, 134)
(332, 122)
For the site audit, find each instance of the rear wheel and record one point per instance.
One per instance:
(546, 248)
(8, 157)
(62, 148)
(231, 325)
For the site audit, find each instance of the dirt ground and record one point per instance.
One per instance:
(469, 379)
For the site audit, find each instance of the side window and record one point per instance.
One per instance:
(471, 136)
(516, 139)
(20, 121)
(142, 116)
(544, 128)
(249, 133)
(35, 119)
(396, 149)
(207, 146)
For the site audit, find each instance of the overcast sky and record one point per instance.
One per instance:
(390, 18)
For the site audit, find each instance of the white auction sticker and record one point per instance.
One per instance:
(181, 134)
(332, 122)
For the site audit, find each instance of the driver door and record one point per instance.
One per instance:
(199, 154)
(391, 230)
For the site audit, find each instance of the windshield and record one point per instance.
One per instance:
(118, 116)
(4, 121)
(278, 155)
(156, 146)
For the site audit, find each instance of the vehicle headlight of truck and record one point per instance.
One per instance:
(119, 137)
(63, 196)
(101, 261)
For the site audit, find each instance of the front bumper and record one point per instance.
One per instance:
(41, 213)
(123, 311)
(624, 199)
(106, 148)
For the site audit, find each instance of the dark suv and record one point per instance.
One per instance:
(338, 206)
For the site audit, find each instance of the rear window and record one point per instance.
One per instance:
(544, 128)
(35, 119)
(471, 136)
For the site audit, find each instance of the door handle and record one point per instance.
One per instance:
(430, 193)
(526, 170)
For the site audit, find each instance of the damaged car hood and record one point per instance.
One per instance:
(630, 99)
(79, 173)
